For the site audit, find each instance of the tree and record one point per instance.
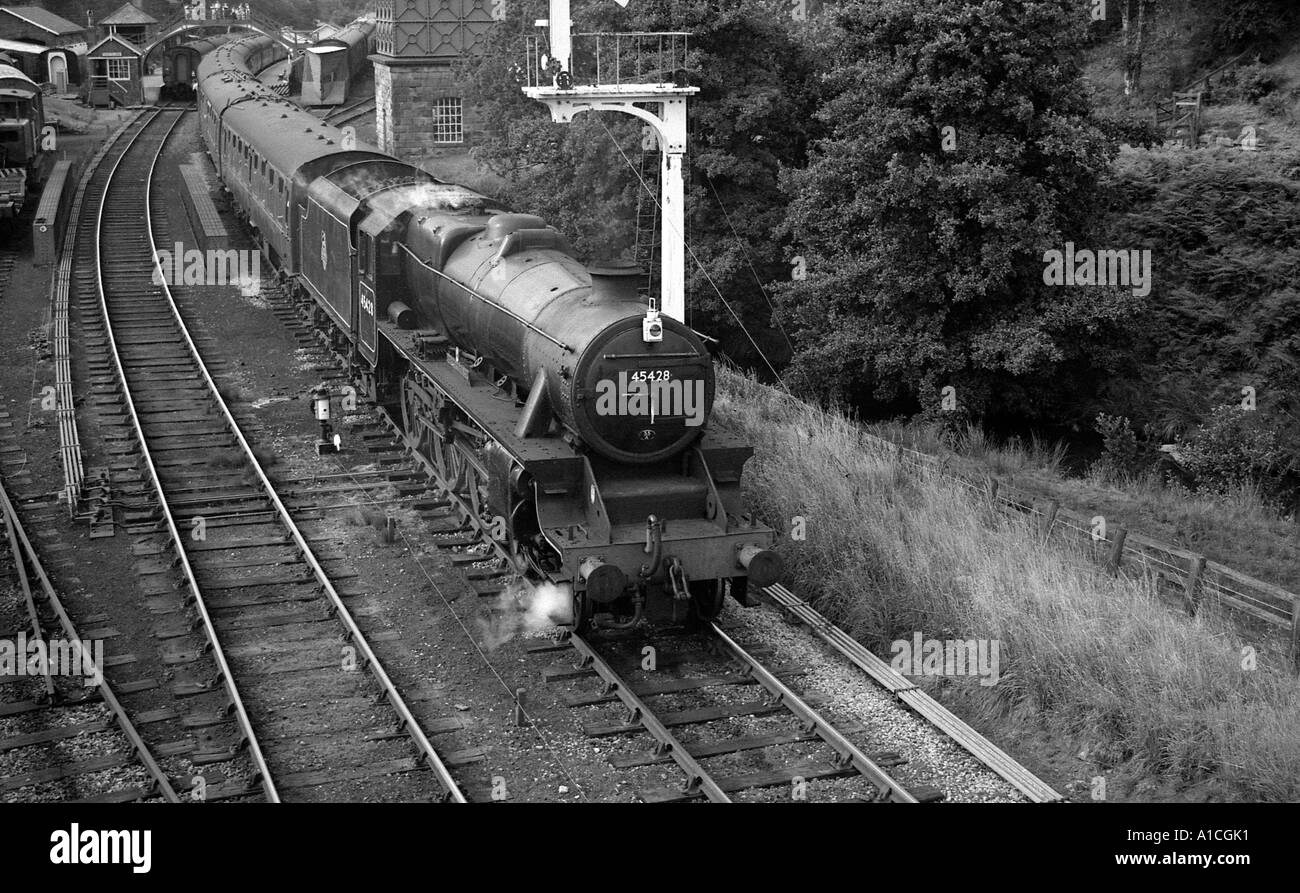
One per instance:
(961, 147)
(1137, 17)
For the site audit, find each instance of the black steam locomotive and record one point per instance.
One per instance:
(548, 395)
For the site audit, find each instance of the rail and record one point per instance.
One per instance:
(227, 678)
(409, 723)
(698, 779)
(19, 540)
(906, 691)
(69, 439)
(887, 787)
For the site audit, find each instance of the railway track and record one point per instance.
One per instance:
(347, 114)
(60, 738)
(259, 607)
(697, 685)
(792, 741)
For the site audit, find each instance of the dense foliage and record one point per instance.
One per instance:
(1224, 310)
(925, 266)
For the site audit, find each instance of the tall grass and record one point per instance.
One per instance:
(1239, 528)
(891, 552)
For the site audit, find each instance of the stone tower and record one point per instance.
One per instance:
(419, 111)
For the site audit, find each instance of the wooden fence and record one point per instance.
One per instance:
(1193, 574)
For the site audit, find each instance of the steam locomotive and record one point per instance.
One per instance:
(547, 395)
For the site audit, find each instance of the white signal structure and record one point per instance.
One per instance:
(568, 94)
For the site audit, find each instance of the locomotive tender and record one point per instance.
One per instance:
(548, 396)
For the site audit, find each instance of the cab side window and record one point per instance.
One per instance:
(365, 256)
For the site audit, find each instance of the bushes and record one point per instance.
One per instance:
(1233, 450)
(1236, 448)
(1123, 456)
(1223, 310)
(1248, 83)
(1279, 105)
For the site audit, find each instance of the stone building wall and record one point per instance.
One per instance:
(405, 97)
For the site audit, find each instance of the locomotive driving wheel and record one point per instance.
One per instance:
(451, 464)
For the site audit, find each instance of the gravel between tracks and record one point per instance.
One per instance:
(933, 758)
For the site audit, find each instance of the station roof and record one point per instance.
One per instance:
(43, 19)
(128, 14)
(118, 41)
(18, 46)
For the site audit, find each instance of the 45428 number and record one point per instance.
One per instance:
(651, 375)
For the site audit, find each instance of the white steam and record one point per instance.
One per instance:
(525, 609)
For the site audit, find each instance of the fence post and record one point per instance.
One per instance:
(1192, 593)
(1117, 549)
(993, 492)
(1049, 518)
(1295, 635)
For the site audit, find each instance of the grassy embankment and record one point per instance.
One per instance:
(1240, 530)
(1098, 658)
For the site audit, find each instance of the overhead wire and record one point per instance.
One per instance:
(749, 260)
(725, 303)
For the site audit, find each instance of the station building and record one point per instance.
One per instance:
(115, 75)
(45, 47)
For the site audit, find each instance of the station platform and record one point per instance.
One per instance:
(205, 221)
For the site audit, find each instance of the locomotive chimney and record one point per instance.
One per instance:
(616, 281)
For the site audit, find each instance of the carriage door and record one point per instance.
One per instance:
(181, 76)
(367, 326)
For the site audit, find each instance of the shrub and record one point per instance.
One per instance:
(1279, 105)
(1256, 81)
(1123, 455)
(1246, 83)
(1236, 448)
